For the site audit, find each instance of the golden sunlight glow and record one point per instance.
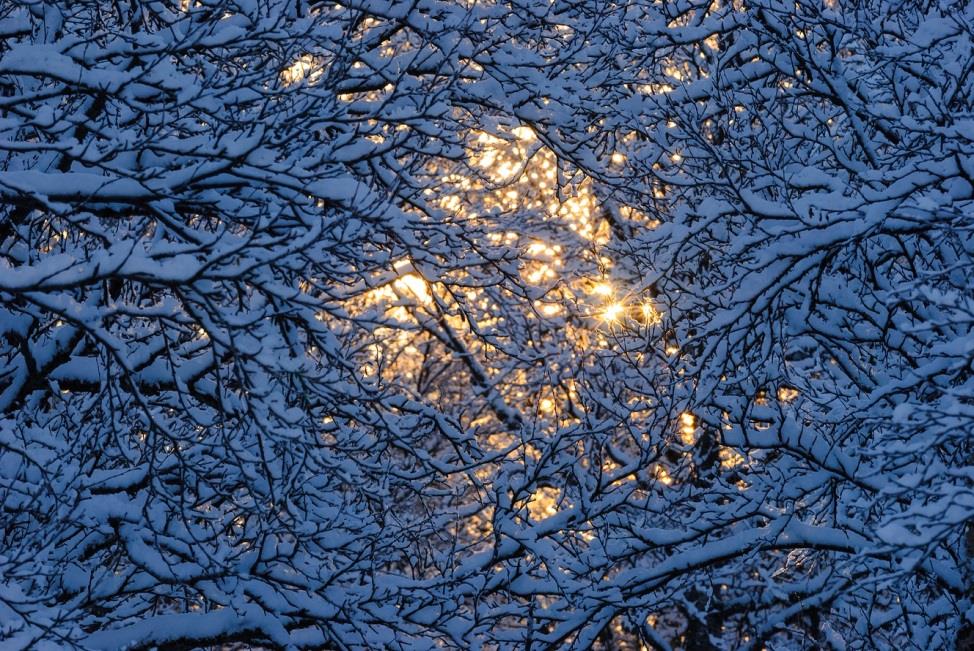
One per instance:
(545, 217)
(674, 72)
(525, 175)
(688, 428)
(650, 314)
(613, 312)
(603, 289)
(413, 284)
(551, 309)
(787, 393)
(303, 69)
(544, 503)
(663, 476)
(547, 225)
(730, 458)
(525, 134)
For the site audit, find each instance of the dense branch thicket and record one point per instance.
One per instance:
(530, 324)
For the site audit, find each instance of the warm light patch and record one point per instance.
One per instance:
(303, 69)
(730, 458)
(613, 312)
(412, 283)
(786, 393)
(526, 134)
(688, 428)
(544, 503)
(551, 309)
(650, 314)
(663, 476)
(603, 289)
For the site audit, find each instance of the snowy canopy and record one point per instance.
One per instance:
(533, 324)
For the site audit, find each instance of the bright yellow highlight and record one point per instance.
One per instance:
(551, 309)
(688, 428)
(663, 476)
(603, 289)
(544, 503)
(650, 314)
(303, 69)
(787, 394)
(521, 173)
(412, 284)
(613, 312)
